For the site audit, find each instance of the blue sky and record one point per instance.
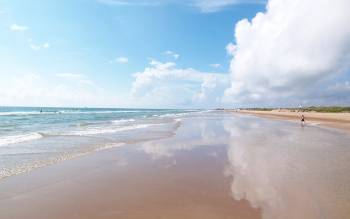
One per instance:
(90, 50)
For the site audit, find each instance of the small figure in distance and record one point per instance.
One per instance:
(302, 120)
(41, 110)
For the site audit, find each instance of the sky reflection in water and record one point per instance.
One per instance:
(285, 170)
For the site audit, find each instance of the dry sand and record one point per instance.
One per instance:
(334, 120)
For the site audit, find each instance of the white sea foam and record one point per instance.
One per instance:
(13, 139)
(23, 113)
(71, 132)
(29, 113)
(100, 130)
(122, 121)
(103, 112)
(173, 115)
(6, 172)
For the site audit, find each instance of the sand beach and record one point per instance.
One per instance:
(215, 165)
(334, 120)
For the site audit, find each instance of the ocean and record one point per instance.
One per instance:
(32, 137)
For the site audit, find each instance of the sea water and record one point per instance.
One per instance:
(32, 137)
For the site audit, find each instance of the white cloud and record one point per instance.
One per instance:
(38, 47)
(29, 89)
(164, 85)
(18, 28)
(289, 51)
(209, 6)
(120, 60)
(231, 49)
(172, 54)
(215, 65)
(205, 6)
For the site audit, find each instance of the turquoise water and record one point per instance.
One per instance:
(32, 137)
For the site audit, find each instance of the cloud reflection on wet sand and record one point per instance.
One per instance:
(288, 171)
(284, 170)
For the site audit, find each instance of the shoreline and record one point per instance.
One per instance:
(340, 121)
(150, 179)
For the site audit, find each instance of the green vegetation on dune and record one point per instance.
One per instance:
(321, 109)
(327, 109)
(259, 109)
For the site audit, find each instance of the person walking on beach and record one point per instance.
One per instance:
(302, 120)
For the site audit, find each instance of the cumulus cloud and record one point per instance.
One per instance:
(165, 85)
(18, 28)
(120, 60)
(172, 54)
(289, 52)
(293, 53)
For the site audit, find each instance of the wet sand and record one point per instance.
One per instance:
(103, 186)
(217, 165)
(334, 120)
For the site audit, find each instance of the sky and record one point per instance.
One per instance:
(174, 54)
